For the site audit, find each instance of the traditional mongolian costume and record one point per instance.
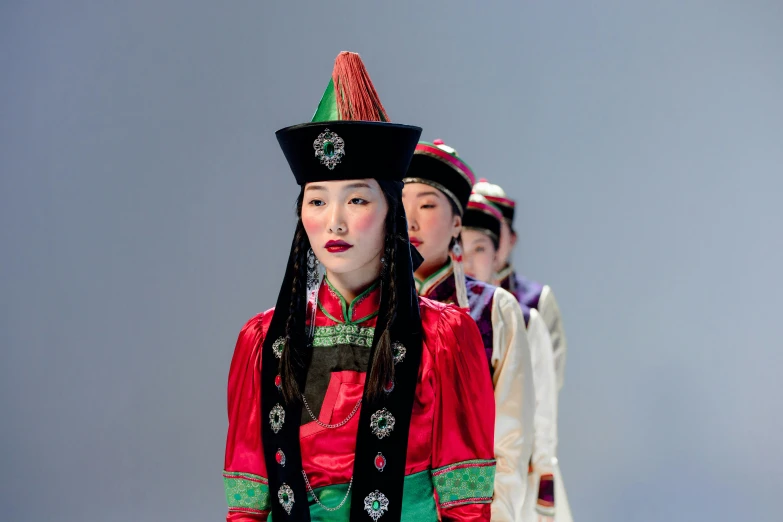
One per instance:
(423, 449)
(546, 494)
(502, 325)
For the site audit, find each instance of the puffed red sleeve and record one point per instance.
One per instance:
(463, 464)
(244, 475)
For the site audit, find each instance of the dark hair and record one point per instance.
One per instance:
(454, 212)
(454, 209)
(293, 363)
(495, 241)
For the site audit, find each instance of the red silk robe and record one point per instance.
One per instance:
(450, 464)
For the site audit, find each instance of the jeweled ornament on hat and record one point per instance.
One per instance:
(329, 148)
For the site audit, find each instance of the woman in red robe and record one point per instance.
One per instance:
(353, 399)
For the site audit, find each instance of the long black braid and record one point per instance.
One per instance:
(293, 362)
(382, 370)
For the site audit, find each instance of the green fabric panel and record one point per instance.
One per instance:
(246, 491)
(467, 482)
(350, 334)
(327, 108)
(418, 498)
(418, 501)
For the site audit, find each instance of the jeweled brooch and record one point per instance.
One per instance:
(399, 352)
(277, 418)
(382, 423)
(286, 497)
(329, 148)
(376, 504)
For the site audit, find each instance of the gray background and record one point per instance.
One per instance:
(147, 212)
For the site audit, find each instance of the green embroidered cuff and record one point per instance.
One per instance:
(246, 492)
(468, 482)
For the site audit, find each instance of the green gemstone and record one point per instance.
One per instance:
(277, 418)
(381, 422)
(376, 506)
(285, 497)
(328, 149)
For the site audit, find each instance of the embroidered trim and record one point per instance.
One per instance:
(343, 334)
(467, 482)
(436, 278)
(504, 273)
(245, 492)
(464, 502)
(452, 160)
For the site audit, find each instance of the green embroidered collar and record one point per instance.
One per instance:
(424, 287)
(363, 308)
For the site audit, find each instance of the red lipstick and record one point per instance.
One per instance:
(336, 246)
(415, 241)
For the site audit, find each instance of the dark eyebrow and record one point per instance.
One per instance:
(482, 238)
(358, 185)
(430, 193)
(352, 186)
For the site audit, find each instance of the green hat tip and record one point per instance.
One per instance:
(327, 107)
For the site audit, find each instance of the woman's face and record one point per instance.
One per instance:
(431, 224)
(480, 255)
(345, 222)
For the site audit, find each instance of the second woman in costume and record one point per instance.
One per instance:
(436, 193)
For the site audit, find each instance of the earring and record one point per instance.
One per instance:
(459, 275)
(457, 251)
(315, 275)
(312, 267)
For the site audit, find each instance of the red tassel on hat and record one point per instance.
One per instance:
(357, 99)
